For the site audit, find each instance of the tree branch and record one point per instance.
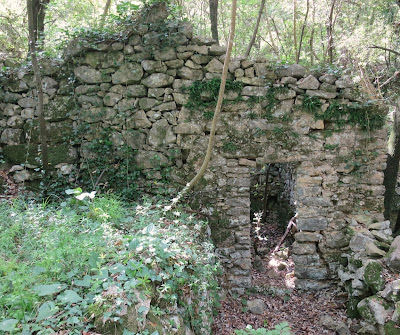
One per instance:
(386, 49)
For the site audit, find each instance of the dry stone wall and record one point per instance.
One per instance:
(136, 88)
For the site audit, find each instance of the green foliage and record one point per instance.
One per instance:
(229, 146)
(204, 94)
(311, 104)
(281, 329)
(368, 116)
(107, 167)
(58, 263)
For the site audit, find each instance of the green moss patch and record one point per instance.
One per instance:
(373, 276)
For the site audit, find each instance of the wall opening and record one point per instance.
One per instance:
(272, 206)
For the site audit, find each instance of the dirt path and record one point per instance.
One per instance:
(273, 282)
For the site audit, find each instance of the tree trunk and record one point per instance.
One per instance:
(302, 31)
(392, 168)
(330, 33)
(105, 13)
(38, 14)
(214, 19)
(276, 51)
(38, 83)
(253, 38)
(295, 28)
(211, 140)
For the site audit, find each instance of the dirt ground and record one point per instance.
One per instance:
(274, 283)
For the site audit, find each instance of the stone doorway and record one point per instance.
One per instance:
(272, 205)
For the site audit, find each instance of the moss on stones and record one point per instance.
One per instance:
(391, 328)
(373, 276)
(30, 154)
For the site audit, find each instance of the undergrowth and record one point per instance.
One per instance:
(83, 262)
(368, 116)
(204, 94)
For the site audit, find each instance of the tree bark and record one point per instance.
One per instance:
(211, 140)
(38, 8)
(392, 169)
(330, 32)
(302, 31)
(105, 13)
(294, 27)
(253, 38)
(38, 83)
(274, 47)
(214, 19)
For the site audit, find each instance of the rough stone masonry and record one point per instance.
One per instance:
(137, 87)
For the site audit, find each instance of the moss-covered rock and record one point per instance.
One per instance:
(30, 154)
(374, 309)
(59, 108)
(373, 276)
(55, 131)
(391, 328)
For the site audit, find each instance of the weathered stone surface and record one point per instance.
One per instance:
(22, 176)
(308, 237)
(312, 224)
(27, 102)
(373, 251)
(337, 239)
(190, 74)
(90, 101)
(151, 66)
(360, 239)
(217, 50)
(30, 154)
(256, 306)
(379, 225)
(373, 276)
(286, 95)
(11, 136)
(111, 99)
(327, 78)
(11, 110)
(96, 114)
(15, 121)
(136, 91)
(161, 134)
(304, 248)
(59, 108)
(158, 80)
(165, 54)
(374, 309)
(308, 83)
(254, 91)
(344, 82)
(129, 73)
(147, 103)
(321, 94)
(89, 75)
(393, 256)
(138, 120)
(111, 59)
(214, 66)
(295, 70)
(167, 106)
(150, 159)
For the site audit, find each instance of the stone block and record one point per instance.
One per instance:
(307, 237)
(304, 248)
(312, 224)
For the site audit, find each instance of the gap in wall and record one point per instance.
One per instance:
(272, 206)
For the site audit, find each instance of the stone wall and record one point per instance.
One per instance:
(136, 88)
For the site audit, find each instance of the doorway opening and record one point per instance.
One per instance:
(272, 206)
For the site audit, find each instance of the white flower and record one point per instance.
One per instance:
(85, 194)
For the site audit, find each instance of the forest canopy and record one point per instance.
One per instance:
(310, 32)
